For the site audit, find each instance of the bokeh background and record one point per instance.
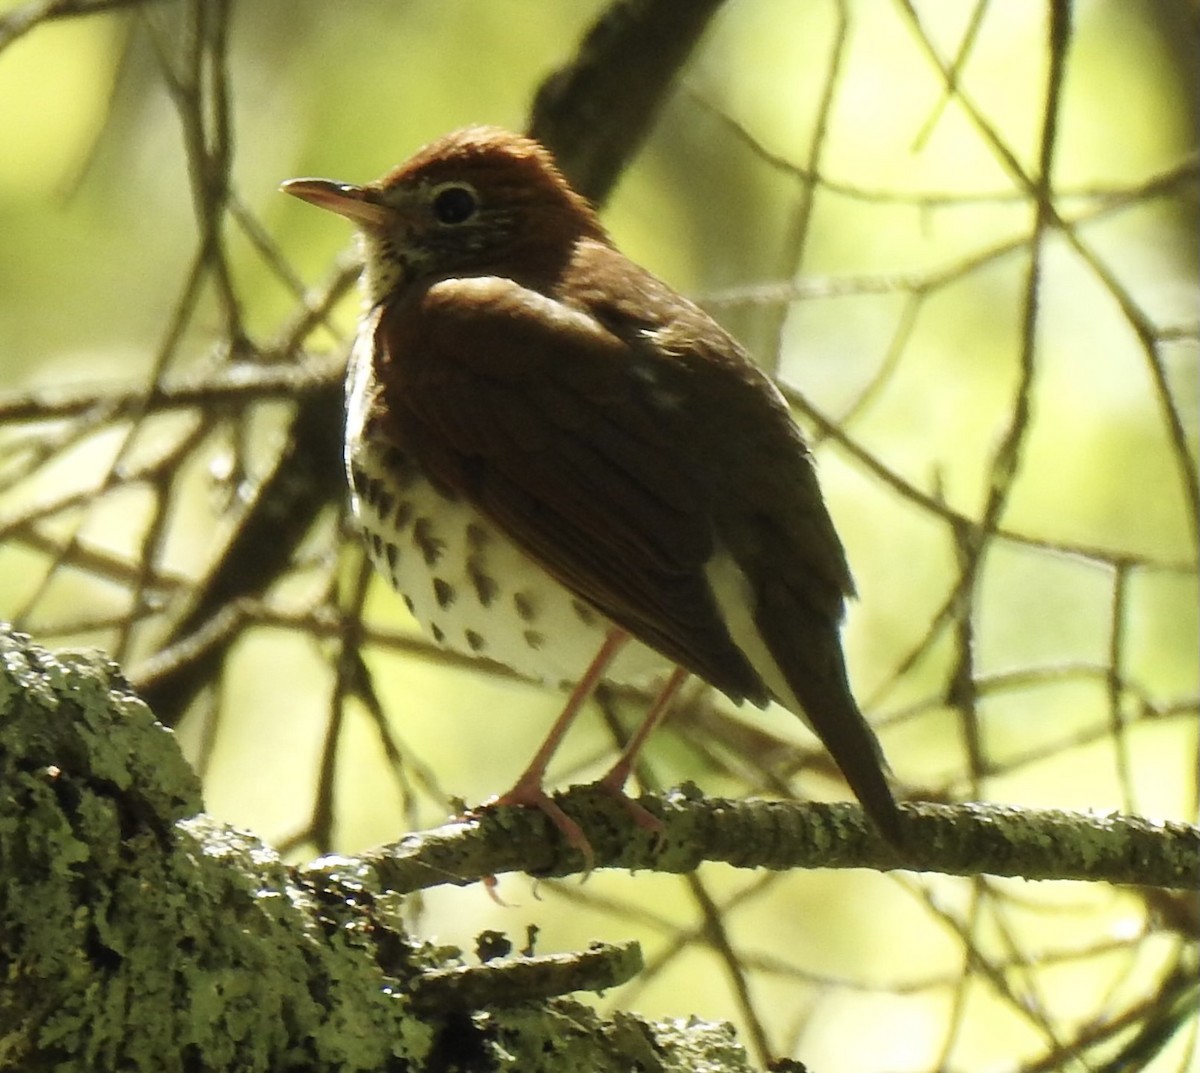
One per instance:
(1003, 402)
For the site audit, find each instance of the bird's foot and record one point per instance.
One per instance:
(613, 784)
(530, 794)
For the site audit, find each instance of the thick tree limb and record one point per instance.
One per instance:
(138, 934)
(134, 927)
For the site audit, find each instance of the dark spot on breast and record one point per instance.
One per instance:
(584, 613)
(400, 467)
(475, 641)
(404, 513)
(443, 592)
(477, 536)
(408, 602)
(377, 546)
(358, 479)
(393, 556)
(485, 586)
(534, 639)
(526, 606)
(372, 488)
(427, 543)
(437, 633)
(385, 502)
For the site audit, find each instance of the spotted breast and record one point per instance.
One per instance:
(468, 585)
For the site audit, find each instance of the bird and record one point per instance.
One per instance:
(563, 464)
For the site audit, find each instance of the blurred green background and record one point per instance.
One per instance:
(871, 237)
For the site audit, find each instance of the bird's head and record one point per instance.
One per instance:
(476, 201)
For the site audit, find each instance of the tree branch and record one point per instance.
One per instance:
(971, 839)
(138, 934)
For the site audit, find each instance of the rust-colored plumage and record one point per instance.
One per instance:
(549, 449)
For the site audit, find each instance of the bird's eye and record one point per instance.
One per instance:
(454, 204)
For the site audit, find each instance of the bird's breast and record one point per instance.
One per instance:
(469, 586)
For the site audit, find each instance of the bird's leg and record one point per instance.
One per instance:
(614, 782)
(619, 773)
(528, 790)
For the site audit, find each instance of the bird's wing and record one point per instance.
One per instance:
(575, 445)
(654, 471)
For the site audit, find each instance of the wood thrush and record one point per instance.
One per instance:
(564, 465)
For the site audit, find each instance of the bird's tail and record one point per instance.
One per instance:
(796, 650)
(820, 694)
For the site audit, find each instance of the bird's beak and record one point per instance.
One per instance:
(360, 204)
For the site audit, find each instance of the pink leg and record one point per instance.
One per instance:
(614, 782)
(528, 789)
(619, 773)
